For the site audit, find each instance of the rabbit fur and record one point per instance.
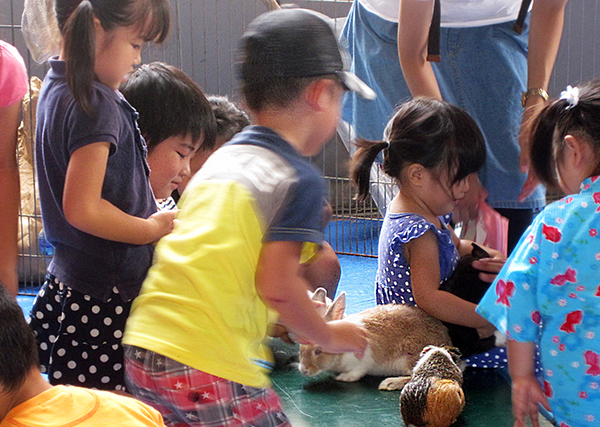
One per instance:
(434, 397)
(397, 334)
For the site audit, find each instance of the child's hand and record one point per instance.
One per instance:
(277, 330)
(489, 267)
(486, 331)
(526, 395)
(346, 337)
(163, 223)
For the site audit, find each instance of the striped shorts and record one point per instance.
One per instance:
(188, 397)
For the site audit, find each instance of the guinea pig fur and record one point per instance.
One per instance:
(433, 397)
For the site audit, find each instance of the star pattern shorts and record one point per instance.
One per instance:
(188, 397)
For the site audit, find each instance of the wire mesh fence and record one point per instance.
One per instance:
(203, 44)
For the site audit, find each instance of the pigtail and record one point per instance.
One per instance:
(76, 22)
(80, 52)
(541, 147)
(360, 166)
(575, 113)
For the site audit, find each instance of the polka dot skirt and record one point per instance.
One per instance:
(495, 358)
(79, 336)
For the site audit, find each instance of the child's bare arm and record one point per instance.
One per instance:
(9, 194)
(281, 286)
(422, 254)
(526, 390)
(86, 210)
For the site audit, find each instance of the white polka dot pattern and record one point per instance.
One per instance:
(80, 336)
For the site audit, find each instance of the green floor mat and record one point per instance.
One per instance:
(324, 402)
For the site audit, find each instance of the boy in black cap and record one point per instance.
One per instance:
(232, 265)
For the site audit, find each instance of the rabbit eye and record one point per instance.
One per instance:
(318, 351)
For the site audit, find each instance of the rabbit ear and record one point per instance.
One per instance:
(478, 252)
(320, 295)
(336, 310)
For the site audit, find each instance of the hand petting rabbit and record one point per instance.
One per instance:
(397, 334)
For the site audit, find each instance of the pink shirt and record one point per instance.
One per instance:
(13, 75)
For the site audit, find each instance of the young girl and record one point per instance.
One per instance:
(547, 292)
(98, 210)
(431, 150)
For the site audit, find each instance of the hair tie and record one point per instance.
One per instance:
(571, 95)
(387, 144)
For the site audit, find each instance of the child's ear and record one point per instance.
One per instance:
(578, 148)
(318, 92)
(100, 32)
(415, 173)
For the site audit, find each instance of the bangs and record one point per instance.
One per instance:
(467, 152)
(154, 18)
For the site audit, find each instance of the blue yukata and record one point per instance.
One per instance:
(393, 283)
(549, 292)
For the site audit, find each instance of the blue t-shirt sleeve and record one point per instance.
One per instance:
(100, 127)
(300, 217)
(511, 302)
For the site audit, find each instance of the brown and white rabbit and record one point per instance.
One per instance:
(433, 397)
(397, 334)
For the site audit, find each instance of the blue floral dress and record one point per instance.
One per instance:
(393, 284)
(549, 292)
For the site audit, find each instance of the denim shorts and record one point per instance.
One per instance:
(483, 71)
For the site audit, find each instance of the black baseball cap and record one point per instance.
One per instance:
(294, 43)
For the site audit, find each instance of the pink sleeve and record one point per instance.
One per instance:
(13, 75)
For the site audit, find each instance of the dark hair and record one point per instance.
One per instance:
(169, 104)
(559, 119)
(76, 23)
(18, 346)
(426, 131)
(278, 92)
(230, 118)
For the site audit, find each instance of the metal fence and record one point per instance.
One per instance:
(203, 43)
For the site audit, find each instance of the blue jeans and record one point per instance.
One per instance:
(483, 71)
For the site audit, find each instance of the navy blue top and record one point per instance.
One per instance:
(86, 263)
(393, 274)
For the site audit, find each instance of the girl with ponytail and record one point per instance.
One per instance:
(547, 293)
(98, 210)
(431, 149)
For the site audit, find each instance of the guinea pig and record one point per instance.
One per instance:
(433, 397)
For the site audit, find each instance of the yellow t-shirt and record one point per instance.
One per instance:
(75, 406)
(196, 306)
(199, 304)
